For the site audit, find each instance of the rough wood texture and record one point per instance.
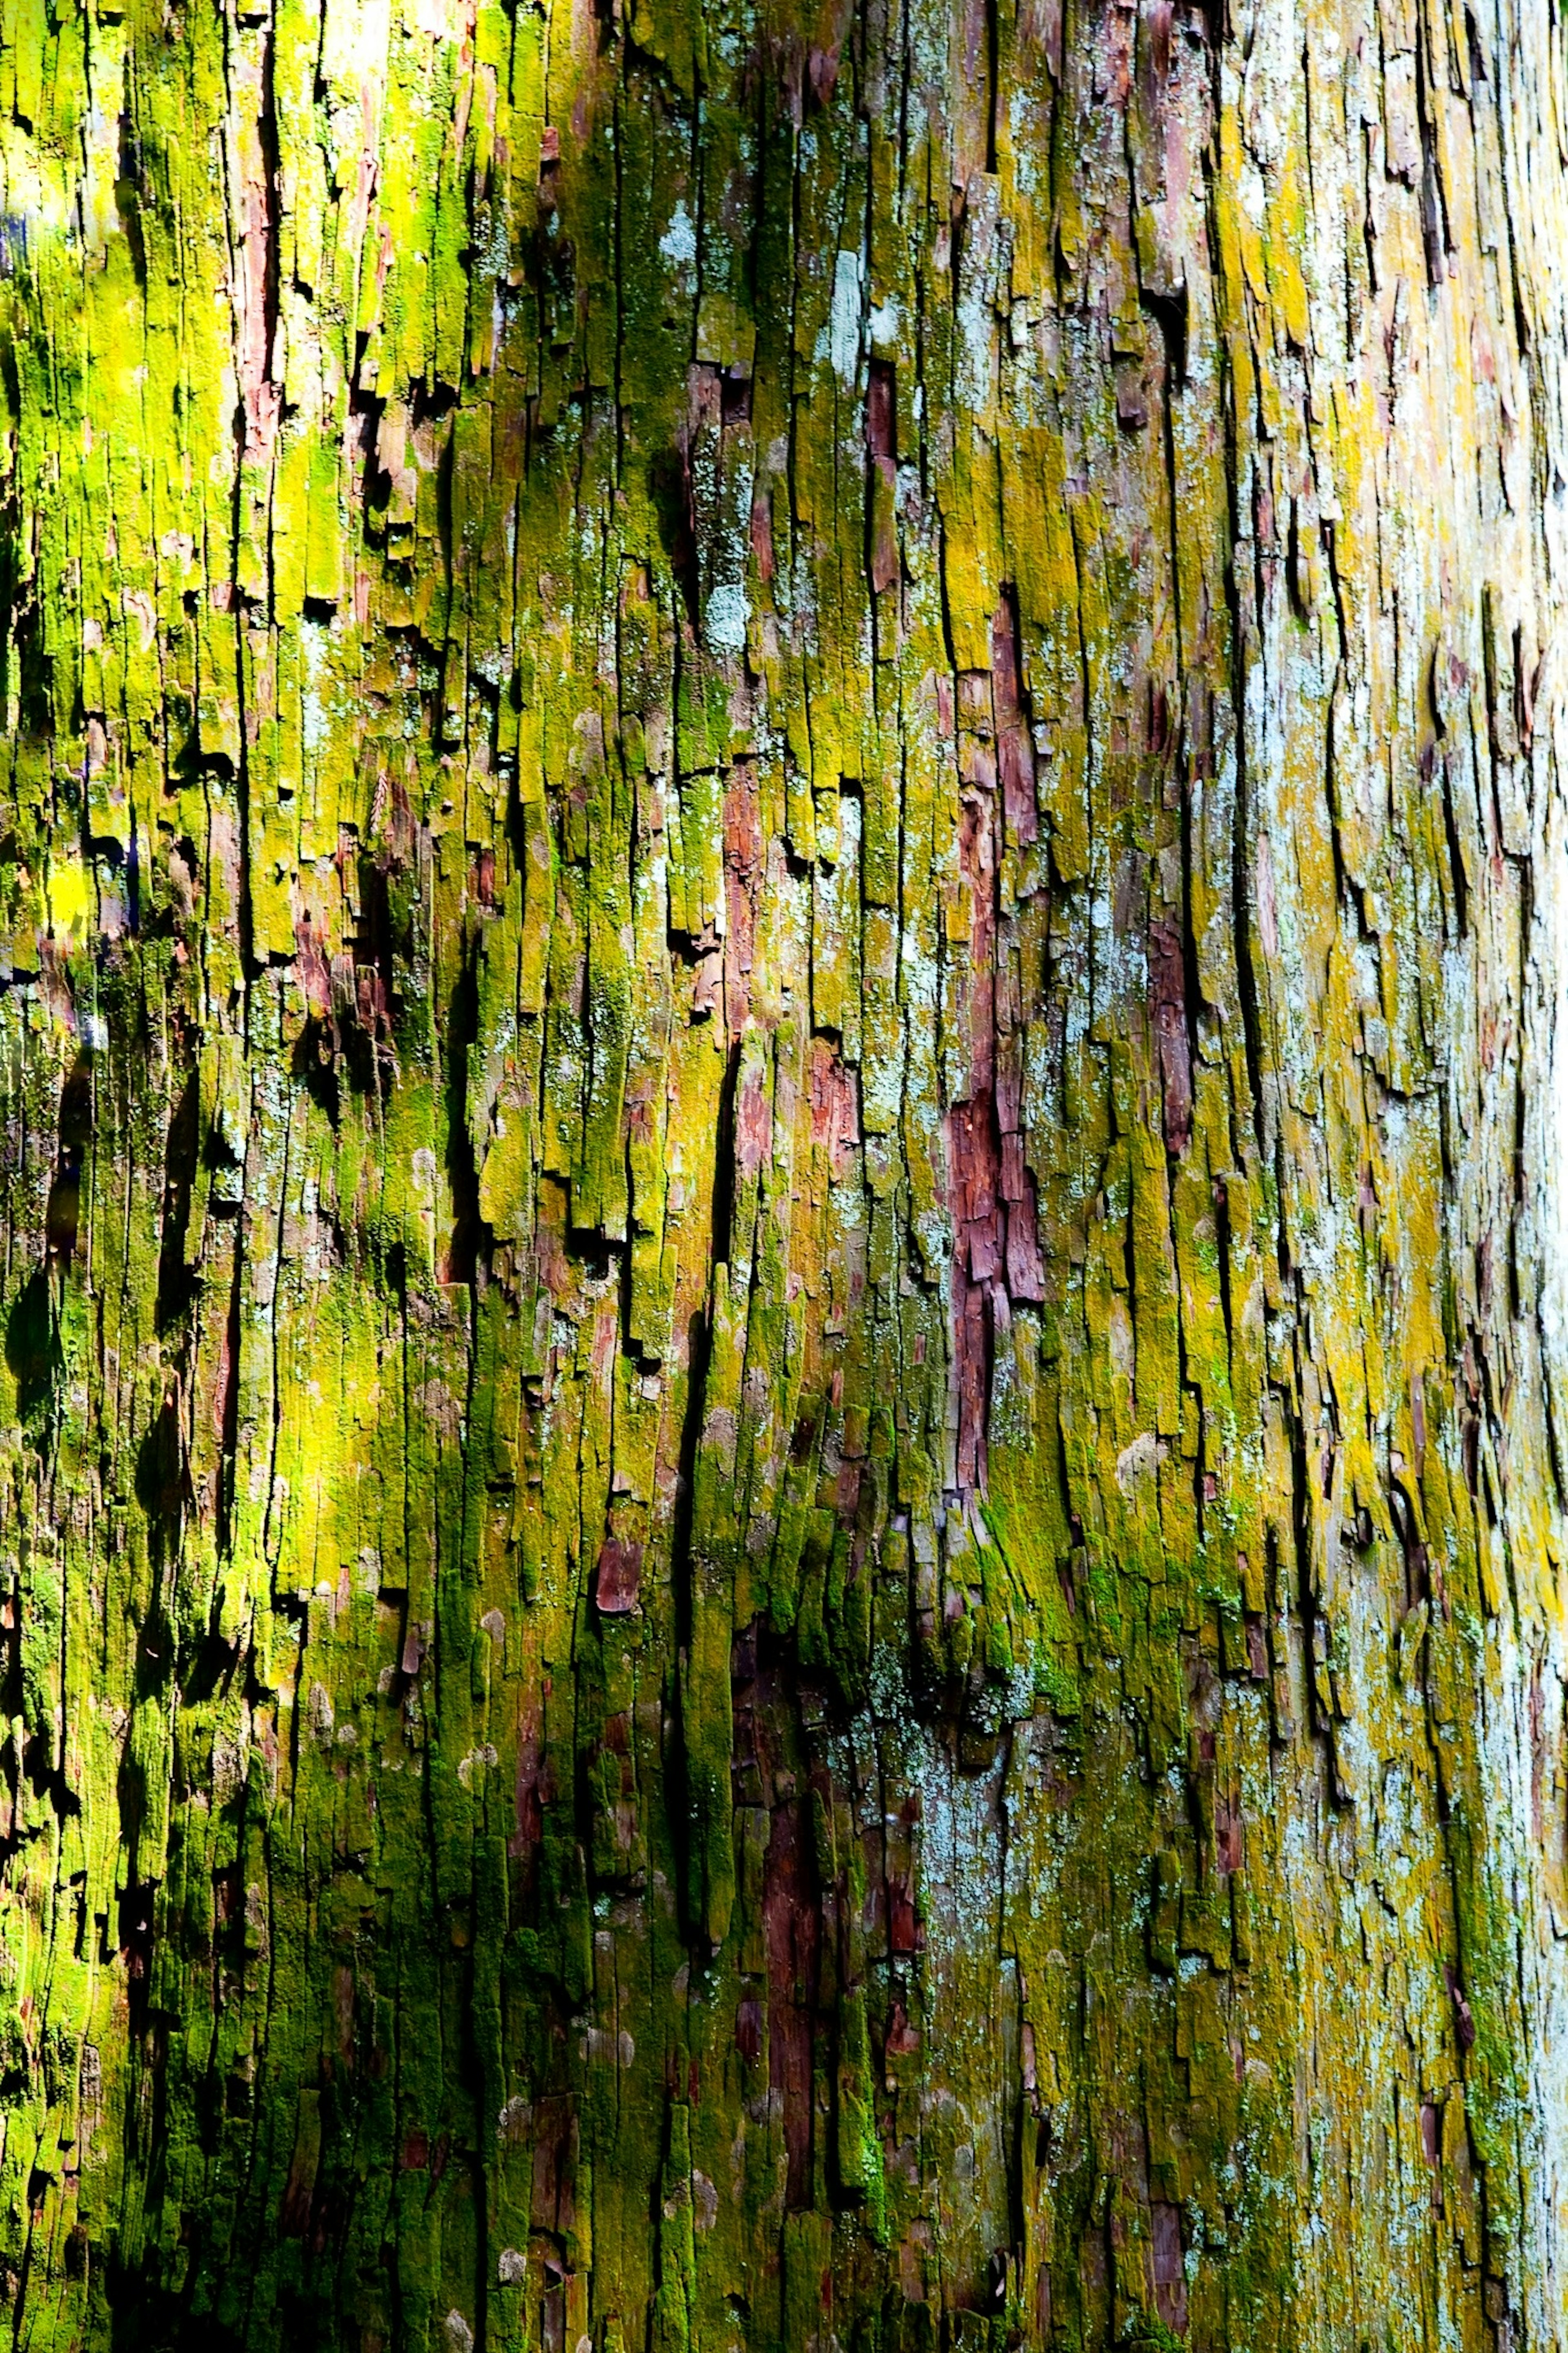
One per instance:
(779, 1506)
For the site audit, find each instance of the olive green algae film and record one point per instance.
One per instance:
(783, 1175)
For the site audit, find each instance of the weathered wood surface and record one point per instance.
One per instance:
(778, 1509)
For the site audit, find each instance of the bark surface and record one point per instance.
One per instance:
(781, 1515)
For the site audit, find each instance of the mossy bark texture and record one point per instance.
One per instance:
(780, 1524)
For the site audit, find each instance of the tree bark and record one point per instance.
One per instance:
(782, 1463)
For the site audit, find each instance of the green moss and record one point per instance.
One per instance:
(759, 1071)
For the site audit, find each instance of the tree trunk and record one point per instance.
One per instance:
(781, 895)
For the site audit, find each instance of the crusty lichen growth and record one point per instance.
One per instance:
(778, 1510)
